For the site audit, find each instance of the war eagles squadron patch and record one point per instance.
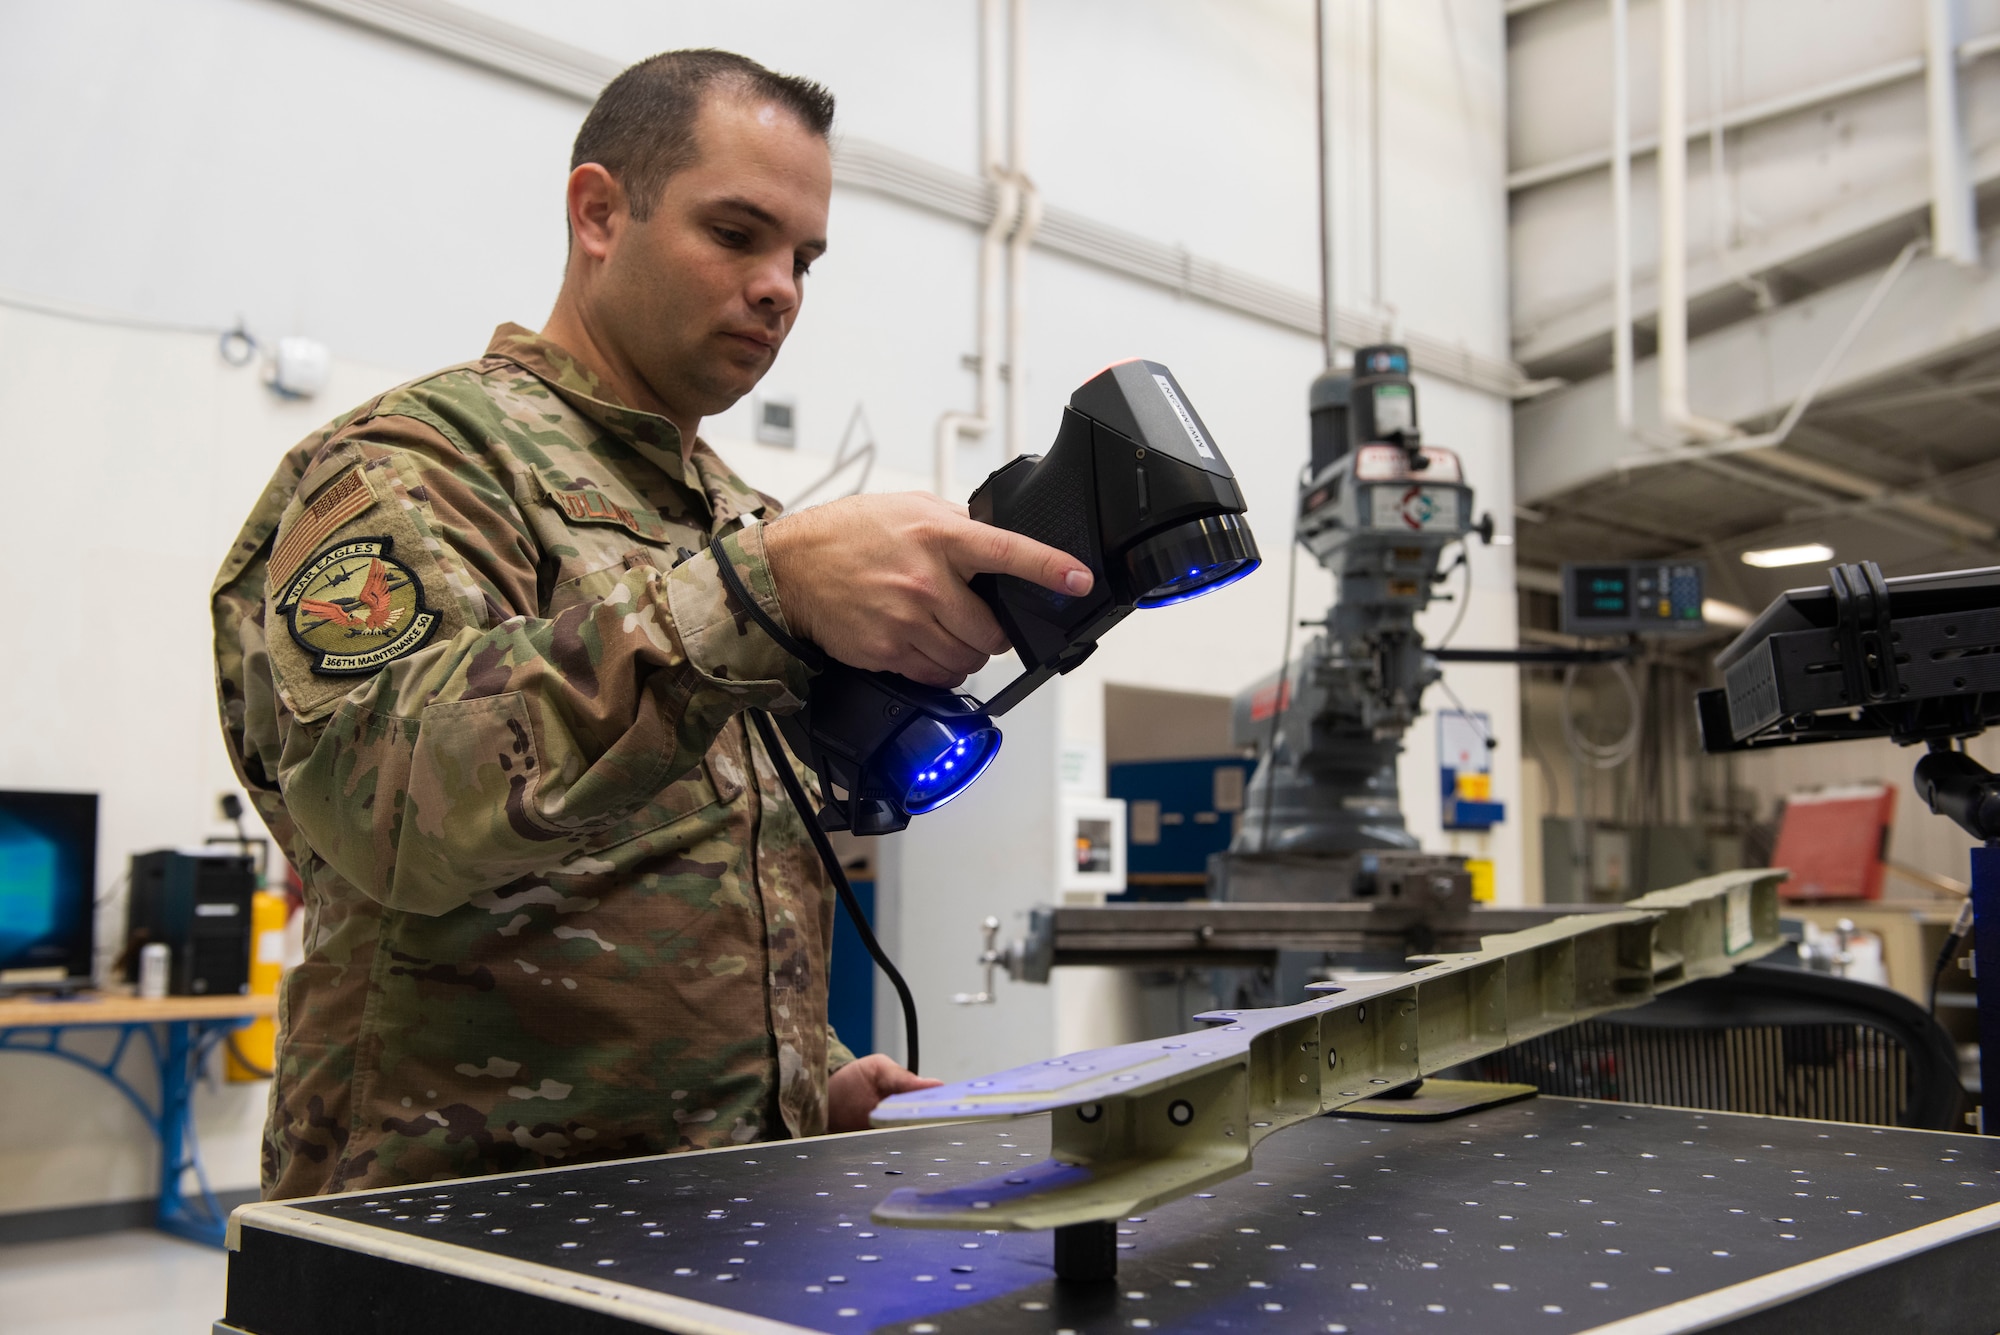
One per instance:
(355, 608)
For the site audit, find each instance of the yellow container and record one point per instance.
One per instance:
(1482, 879)
(258, 1041)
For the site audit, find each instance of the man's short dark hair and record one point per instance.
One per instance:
(641, 128)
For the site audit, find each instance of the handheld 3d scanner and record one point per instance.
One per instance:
(1134, 487)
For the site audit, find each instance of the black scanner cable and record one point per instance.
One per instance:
(815, 659)
(834, 870)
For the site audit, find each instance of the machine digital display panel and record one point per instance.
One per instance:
(1602, 593)
(1642, 597)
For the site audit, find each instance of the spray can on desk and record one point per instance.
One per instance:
(154, 960)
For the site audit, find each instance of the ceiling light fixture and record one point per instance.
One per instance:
(1770, 558)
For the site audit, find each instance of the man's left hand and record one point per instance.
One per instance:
(853, 1091)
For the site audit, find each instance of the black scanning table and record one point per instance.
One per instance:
(1550, 1216)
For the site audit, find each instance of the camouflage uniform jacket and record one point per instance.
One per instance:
(480, 675)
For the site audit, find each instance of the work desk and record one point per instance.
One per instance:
(1548, 1216)
(176, 1034)
(111, 1008)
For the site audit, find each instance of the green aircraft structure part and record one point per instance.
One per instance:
(1143, 1123)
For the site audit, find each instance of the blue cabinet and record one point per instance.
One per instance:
(1177, 813)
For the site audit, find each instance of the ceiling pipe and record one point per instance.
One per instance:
(953, 426)
(1027, 223)
(1621, 215)
(1680, 423)
(1675, 414)
(1954, 230)
(1672, 451)
(1323, 99)
(1017, 265)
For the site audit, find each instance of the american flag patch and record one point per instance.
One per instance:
(343, 500)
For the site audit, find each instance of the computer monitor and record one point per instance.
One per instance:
(48, 888)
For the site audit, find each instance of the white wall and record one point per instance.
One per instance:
(211, 159)
(146, 451)
(214, 158)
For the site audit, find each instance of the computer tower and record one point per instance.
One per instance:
(198, 904)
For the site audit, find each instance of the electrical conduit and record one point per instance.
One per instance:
(994, 251)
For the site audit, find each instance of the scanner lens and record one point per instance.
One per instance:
(940, 762)
(1191, 559)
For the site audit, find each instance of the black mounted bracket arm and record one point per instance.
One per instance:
(1953, 784)
(1914, 659)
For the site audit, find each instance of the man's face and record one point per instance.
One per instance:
(699, 297)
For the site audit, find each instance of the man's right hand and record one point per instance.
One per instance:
(879, 582)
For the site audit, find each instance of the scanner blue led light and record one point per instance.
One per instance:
(950, 771)
(1191, 559)
(1199, 581)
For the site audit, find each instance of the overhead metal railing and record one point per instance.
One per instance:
(1736, 118)
(1755, 113)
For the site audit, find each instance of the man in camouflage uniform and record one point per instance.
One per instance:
(480, 675)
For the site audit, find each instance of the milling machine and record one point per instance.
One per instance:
(1322, 820)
